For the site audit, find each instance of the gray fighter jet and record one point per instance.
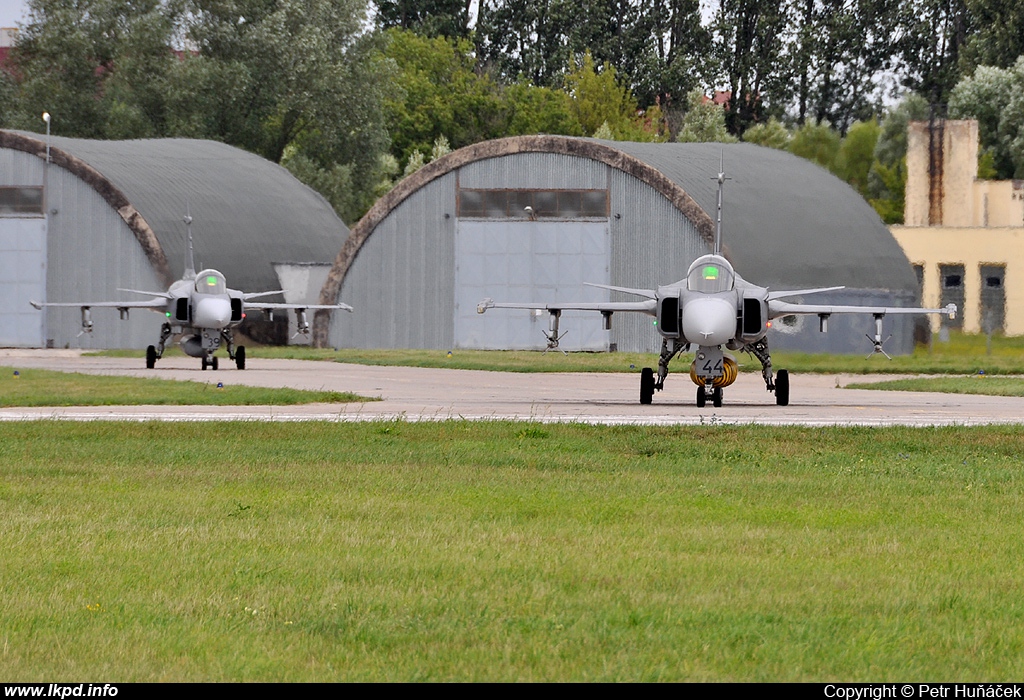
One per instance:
(710, 311)
(201, 309)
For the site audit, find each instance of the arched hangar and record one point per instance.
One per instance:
(102, 216)
(536, 218)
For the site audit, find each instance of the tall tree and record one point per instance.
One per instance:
(438, 94)
(998, 36)
(525, 40)
(99, 66)
(272, 73)
(300, 77)
(841, 51)
(678, 55)
(750, 42)
(935, 34)
(448, 18)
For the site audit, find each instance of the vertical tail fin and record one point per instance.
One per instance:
(190, 263)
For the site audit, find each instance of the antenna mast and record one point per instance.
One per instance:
(190, 264)
(718, 225)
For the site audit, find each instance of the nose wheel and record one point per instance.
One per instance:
(211, 363)
(702, 397)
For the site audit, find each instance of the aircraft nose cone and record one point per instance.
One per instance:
(709, 322)
(212, 312)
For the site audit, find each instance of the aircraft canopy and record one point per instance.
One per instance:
(211, 282)
(709, 274)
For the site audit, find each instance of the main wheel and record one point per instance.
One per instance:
(240, 357)
(646, 385)
(702, 397)
(213, 363)
(150, 357)
(782, 387)
(716, 397)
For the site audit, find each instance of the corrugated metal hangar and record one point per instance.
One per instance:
(535, 218)
(108, 215)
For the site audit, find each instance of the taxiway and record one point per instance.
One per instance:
(418, 394)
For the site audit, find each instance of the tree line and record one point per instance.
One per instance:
(350, 95)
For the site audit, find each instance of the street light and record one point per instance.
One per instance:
(46, 118)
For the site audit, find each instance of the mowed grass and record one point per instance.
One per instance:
(976, 384)
(38, 387)
(459, 551)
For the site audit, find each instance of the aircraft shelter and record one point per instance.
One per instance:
(100, 216)
(536, 218)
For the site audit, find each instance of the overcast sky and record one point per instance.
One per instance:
(11, 12)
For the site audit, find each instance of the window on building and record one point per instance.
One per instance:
(21, 201)
(533, 204)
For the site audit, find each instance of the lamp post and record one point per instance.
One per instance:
(46, 118)
(46, 166)
(46, 218)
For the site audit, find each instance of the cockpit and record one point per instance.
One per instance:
(709, 274)
(210, 282)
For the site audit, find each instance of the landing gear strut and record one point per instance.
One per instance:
(780, 382)
(648, 383)
(235, 353)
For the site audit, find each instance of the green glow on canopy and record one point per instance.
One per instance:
(710, 272)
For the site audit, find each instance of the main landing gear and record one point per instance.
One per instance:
(204, 352)
(778, 383)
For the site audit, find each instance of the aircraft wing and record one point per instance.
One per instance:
(800, 292)
(782, 308)
(648, 307)
(254, 295)
(157, 304)
(649, 293)
(312, 307)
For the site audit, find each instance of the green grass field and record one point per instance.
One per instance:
(976, 384)
(454, 551)
(39, 387)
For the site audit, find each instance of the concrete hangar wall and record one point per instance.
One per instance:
(108, 215)
(534, 218)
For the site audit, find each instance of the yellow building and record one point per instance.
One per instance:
(964, 236)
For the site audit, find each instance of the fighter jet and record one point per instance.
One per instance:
(710, 311)
(201, 310)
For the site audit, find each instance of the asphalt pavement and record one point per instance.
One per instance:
(418, 394)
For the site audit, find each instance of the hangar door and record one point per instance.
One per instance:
(22, 266)
(545, 255)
